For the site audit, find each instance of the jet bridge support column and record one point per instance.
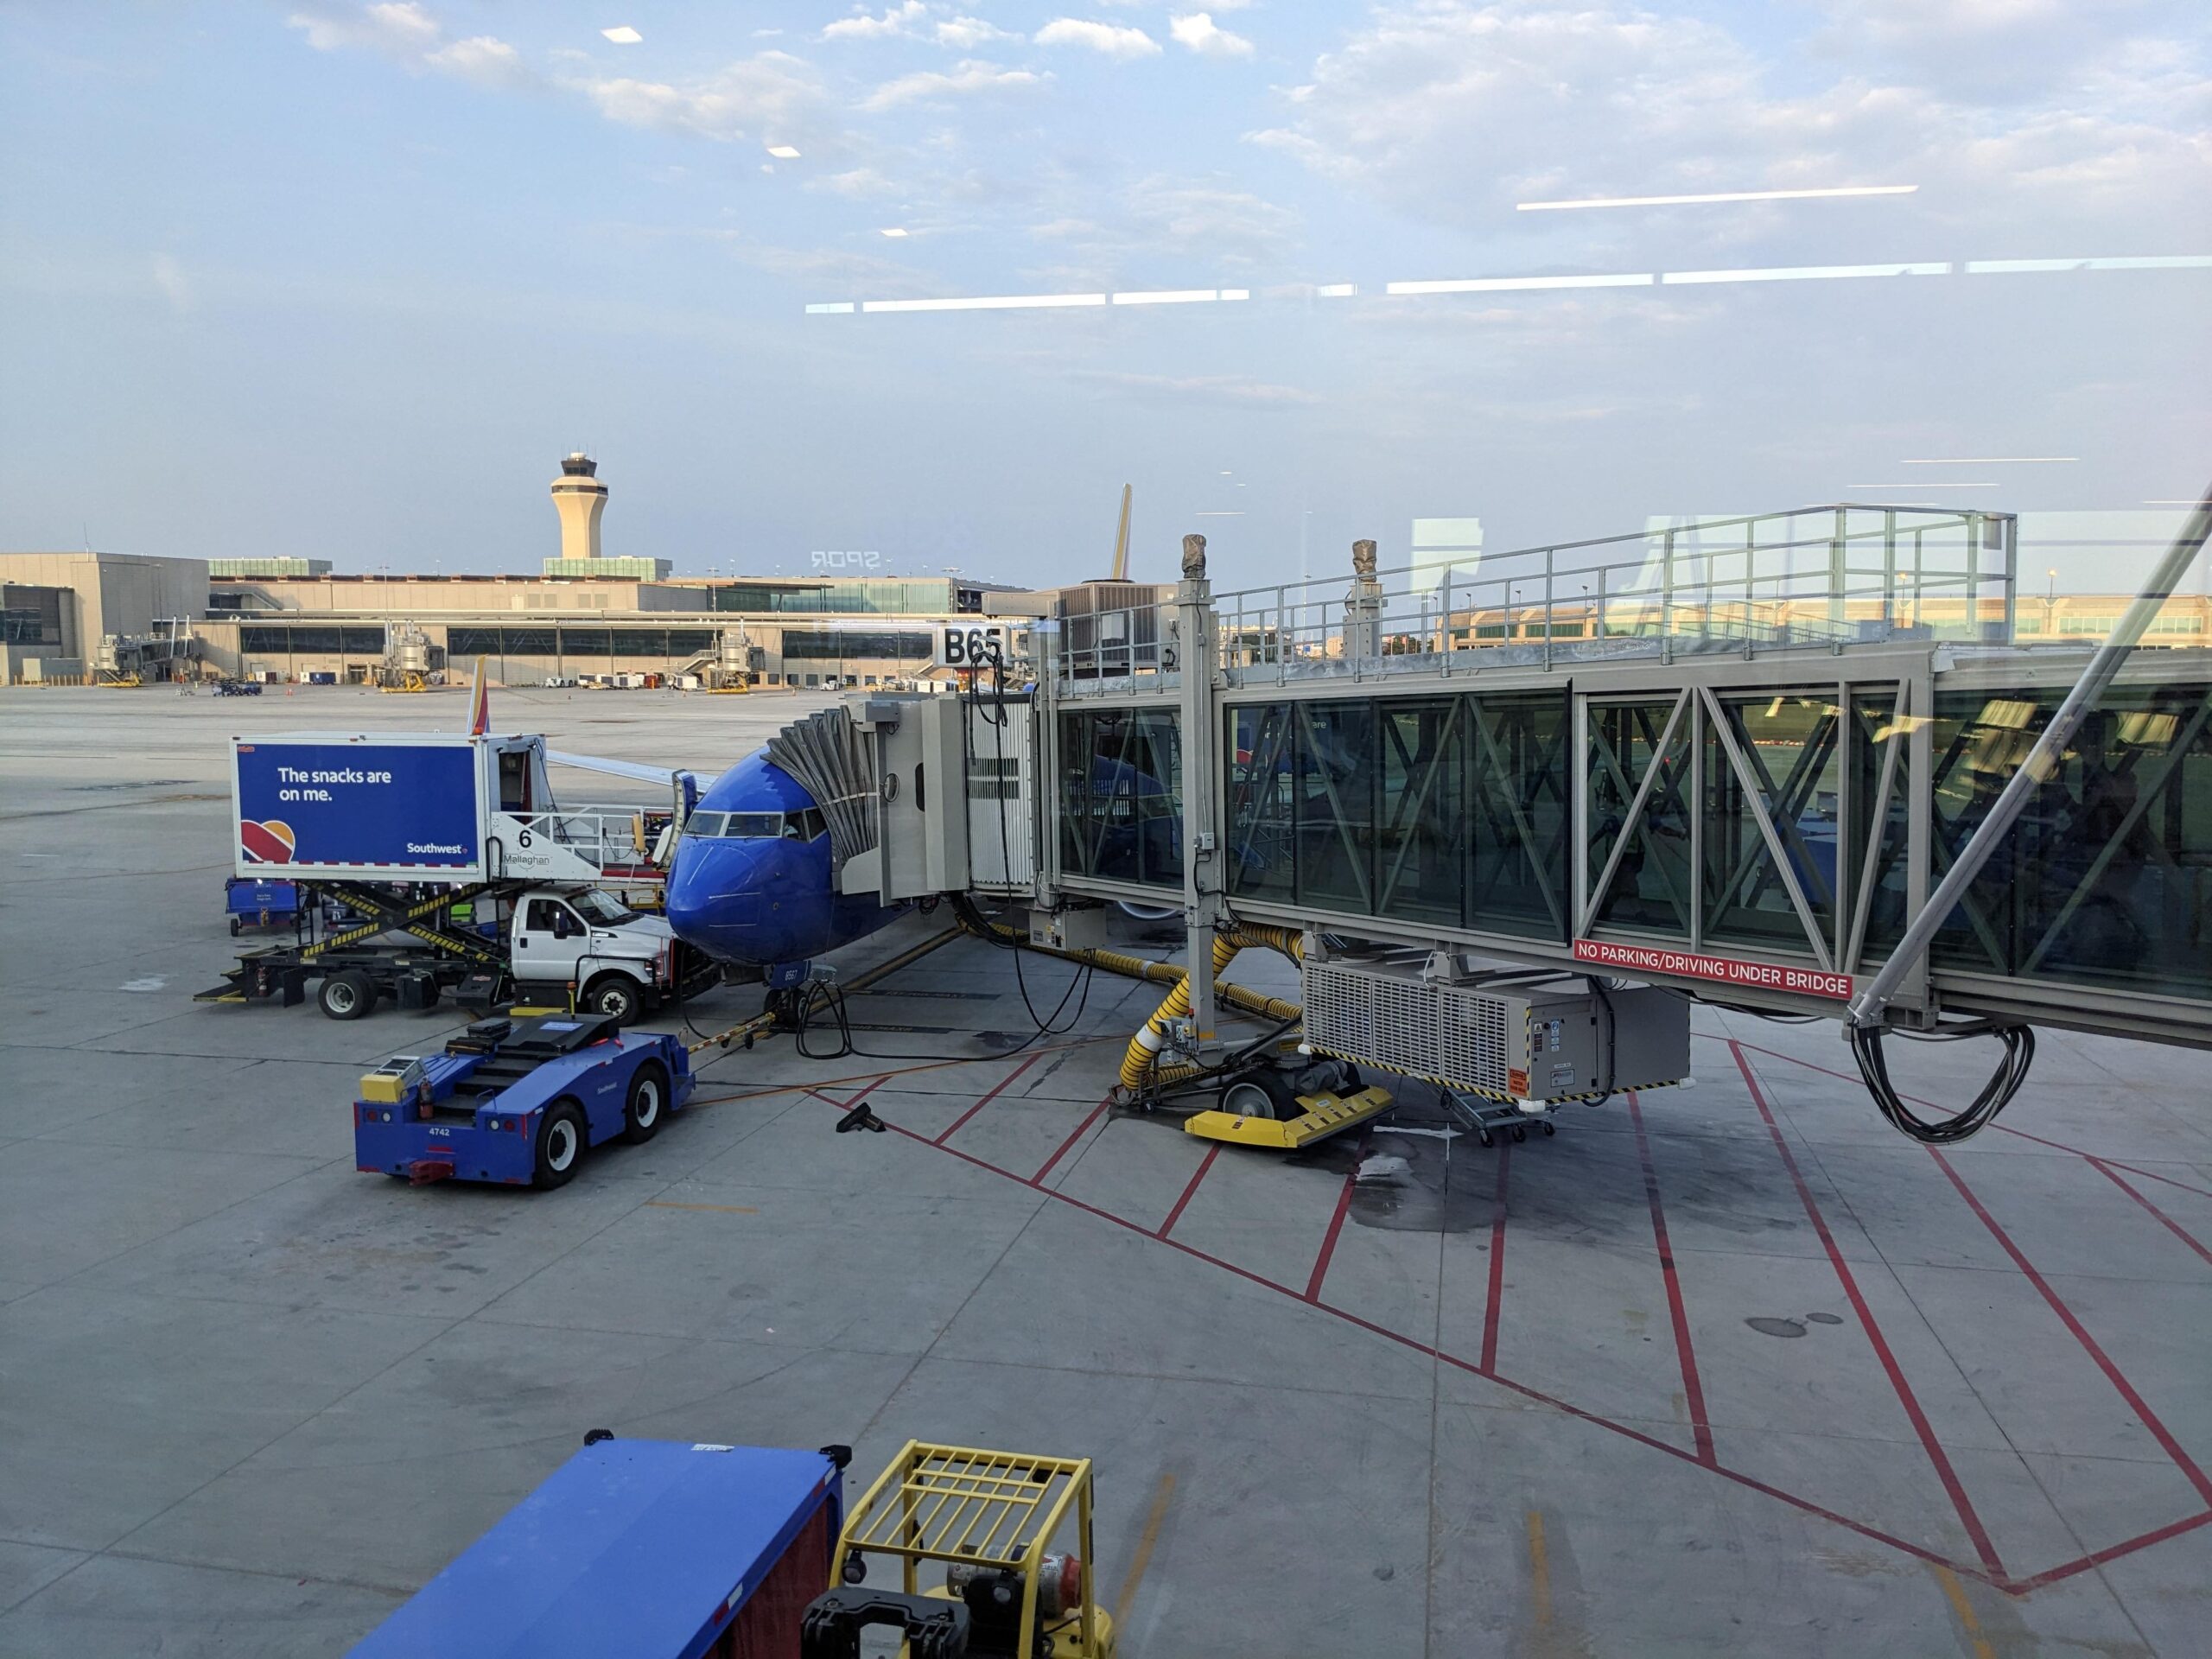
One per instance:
(1196, 646)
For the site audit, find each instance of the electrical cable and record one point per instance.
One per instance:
(2004, 1083)
(996, 718)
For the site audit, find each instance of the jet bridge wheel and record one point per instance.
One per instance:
(562, 1138)
(1265, 1093)
(646, 1104)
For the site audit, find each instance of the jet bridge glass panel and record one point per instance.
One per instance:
(2106, 878)
(1791, 747)
(1122, 795)
(1450, 810)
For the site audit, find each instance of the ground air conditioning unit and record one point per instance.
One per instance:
(1533, 1037)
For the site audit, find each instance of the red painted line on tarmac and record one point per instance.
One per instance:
(987, 1099)
(1176, 1214)
(1693, 1390)
(1494, 1304)
(2002, 1128)
(1329, 1239)
(2170, 1225)
(847, 1105)
(1096, 1113)
(2136, 1403)
(2110, 1552)
(1937, 1455)
(1991, 1575)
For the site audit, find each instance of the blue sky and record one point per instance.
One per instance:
(345, 281)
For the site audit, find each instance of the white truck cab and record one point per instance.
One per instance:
(620, 962)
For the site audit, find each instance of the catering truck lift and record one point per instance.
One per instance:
(432, 862)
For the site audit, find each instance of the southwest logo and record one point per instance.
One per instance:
(271, 842)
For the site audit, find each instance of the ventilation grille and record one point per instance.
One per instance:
(1398, 1020)
(1473, 1039)
(826, 756)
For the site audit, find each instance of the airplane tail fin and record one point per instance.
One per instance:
(479, 704)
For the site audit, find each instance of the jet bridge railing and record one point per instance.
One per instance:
(1812, 577)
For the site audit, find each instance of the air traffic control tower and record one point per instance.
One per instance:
(579, 498)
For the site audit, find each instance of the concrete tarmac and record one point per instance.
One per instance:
(1732, 1368)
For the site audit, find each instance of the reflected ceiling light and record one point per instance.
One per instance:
(1808, 273)
(1624, 279)
(2144, 262)
(1984, 460)
(1337, 290)
(1945, 485)
(836, 307)
(1505, 284)
(622, 35)
(1719, 195)
(784, 152)
(2170, 504)
(988, 303)
(895, 230)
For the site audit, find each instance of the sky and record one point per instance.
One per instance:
(345, 281)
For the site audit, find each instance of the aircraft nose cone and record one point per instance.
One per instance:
(707, 897)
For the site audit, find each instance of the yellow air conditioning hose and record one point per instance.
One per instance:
(1139, 1062)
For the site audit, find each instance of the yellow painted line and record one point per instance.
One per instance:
(1957, 1595)
(724, 1209)
(1160, 1503)
(1539, 1570)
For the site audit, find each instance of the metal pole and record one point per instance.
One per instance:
(2042, 761)
(1201, 783)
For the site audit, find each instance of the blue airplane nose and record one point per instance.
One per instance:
(714, 896)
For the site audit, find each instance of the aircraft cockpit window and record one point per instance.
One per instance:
(806, 826)
(749, 826)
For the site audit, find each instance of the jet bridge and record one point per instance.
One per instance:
(1736, 758)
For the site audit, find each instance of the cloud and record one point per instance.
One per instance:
(1199, 32)
(898, 20)
(771, 92)
(1222, 391)
(859, 183)
(1452, 111)
(969, 76)
(1114, 40)
(170, 278)
(409, 34)
(402, 29)
(483, 59)
(1204, 222)
(964, 33)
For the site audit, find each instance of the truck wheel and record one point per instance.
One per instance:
(616, 996)
(647, 1102)
(560, 1141)
(347, 995)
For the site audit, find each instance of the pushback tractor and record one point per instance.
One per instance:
(517, 1102)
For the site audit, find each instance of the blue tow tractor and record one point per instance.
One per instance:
(518, 1101)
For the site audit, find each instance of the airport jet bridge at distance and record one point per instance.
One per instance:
(1737, 759)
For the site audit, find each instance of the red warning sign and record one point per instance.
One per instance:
(1725, 970)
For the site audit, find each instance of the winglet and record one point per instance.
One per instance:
(479, 704)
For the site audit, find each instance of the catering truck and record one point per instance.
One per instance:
(436, 862)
